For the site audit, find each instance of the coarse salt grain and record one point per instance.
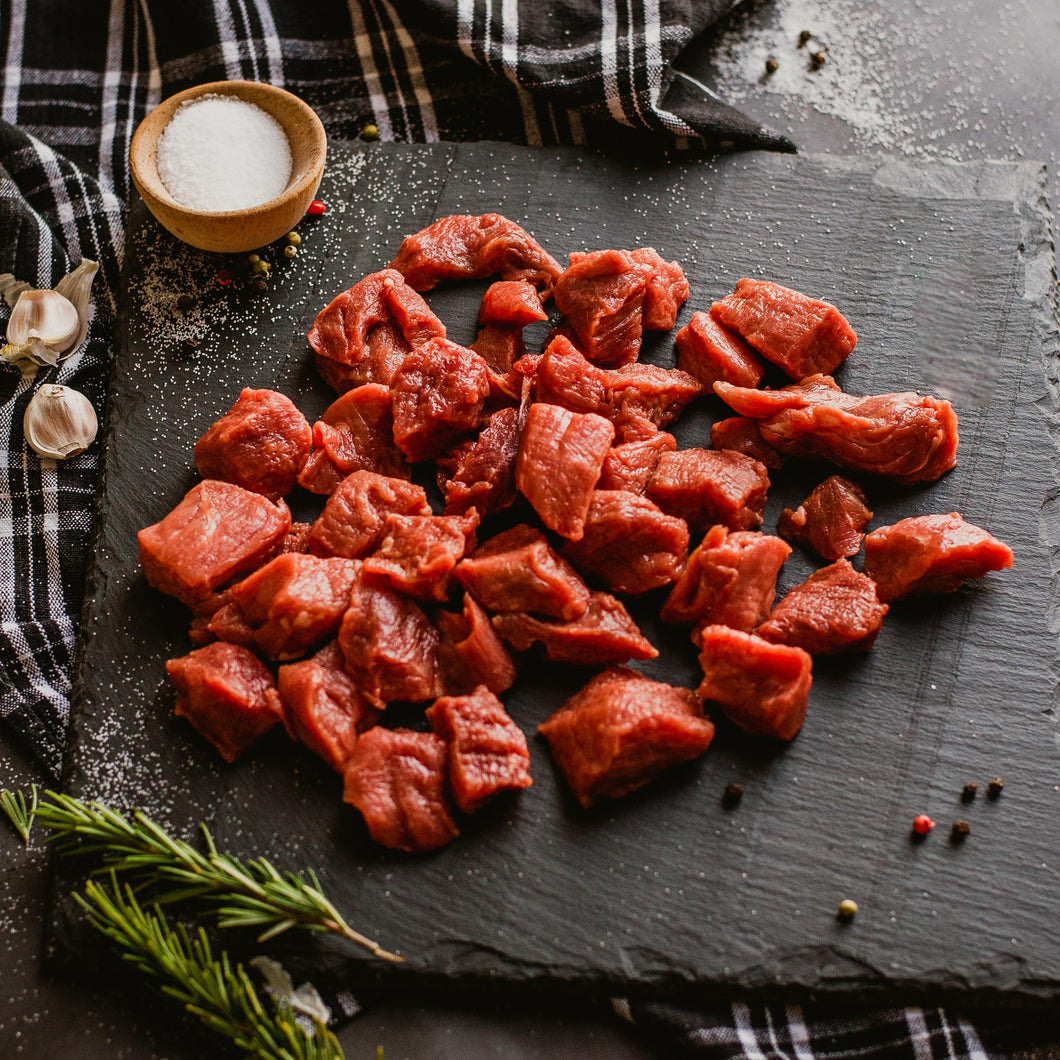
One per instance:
(221, 153)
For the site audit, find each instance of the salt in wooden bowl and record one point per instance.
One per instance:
(232, 231)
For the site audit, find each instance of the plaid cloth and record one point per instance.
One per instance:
(78, 77)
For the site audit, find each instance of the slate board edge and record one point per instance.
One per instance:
(1014, 173)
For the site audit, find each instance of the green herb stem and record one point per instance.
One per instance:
(218, 993)
(251, 894)
(14, 805)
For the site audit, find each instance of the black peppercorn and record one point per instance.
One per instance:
(817, 60)
(994, 788)
(968, 791)
(185, 302)
(771, 65)
(960, 830)
(804, 36)
(190, 344)
(733, 794)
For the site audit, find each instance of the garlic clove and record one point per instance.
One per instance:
(47, 325)
(45, 315)
(60, 422)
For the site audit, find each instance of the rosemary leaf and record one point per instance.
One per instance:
(218, 993)
(252, 893)
(13, 803)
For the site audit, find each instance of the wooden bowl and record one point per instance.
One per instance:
(232, 231)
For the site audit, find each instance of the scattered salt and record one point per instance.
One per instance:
(221, 153)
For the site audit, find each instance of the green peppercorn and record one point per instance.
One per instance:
(261, 268)
(848, 909)
(294, 239)
(370, 132)
(253, 259)
(290, 251)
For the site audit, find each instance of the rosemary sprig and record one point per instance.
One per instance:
(251, 894)
(213, 990)
(13, 803)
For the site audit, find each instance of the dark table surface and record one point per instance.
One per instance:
(965, 79)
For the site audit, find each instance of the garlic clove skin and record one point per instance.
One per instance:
(45, 315)
(60, 422)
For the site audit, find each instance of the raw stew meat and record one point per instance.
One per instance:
(320, 627)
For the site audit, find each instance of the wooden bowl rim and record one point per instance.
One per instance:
(145, 141)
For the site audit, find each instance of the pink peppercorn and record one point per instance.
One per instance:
(922, 824)
(316, 208)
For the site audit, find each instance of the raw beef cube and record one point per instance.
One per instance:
(518, 570)
(709, 351)
(390, 646)
(515, 303)
(802, 335)
(397, 779)
(417, 553)
(352, 521)
(322, 706)
(297, 539)
(930, 554)
(761, 687)
(362, 336)
(480, 472)
(905, 437)
(730, 580)
(487, 751)
(621, 731)
(500, 346)
(292, 604)
(216, 533)
(708, 486)
(629, 544)
(560, 457)
(228, 694)
(666, 292)
(462, 247)
(436, 395)
(741, 434)
(260, 443)
(831, 521)
(471, 653)
(630, 465)
(836, 609)
(635, 393)
(602, 296)
(604, 634)
(356, 433)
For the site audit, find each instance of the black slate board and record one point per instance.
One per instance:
(945, 272)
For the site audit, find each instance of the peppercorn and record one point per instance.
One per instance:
(316, 208)
(968, 791)
(922, 824)
(995, 788)
(294, 239)
(224, 277)
(848, 909)
(960, 831)
(185, 302)
(804, 36)
(290, 251)
(370, 132)
(261, 268)
(817, 60)
(771, 65)
(259, 282)
(190, 343)
(253, 259)
(733, 794)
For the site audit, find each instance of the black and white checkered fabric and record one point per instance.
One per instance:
(78, 77)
